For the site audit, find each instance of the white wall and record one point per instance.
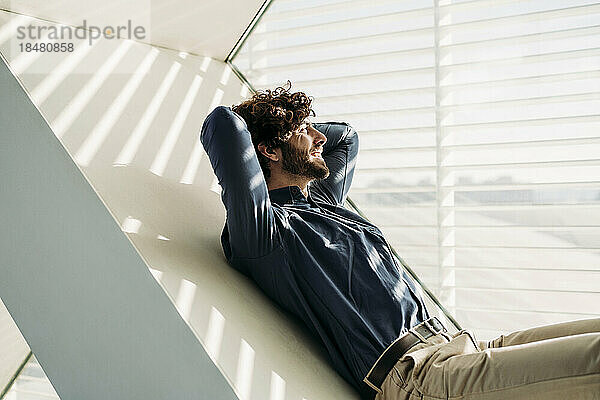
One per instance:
(130, 115)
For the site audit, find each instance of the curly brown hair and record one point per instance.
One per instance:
(272, 116)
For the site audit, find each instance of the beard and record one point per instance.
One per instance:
(298, 162)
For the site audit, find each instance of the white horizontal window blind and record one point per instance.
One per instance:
(480, 139)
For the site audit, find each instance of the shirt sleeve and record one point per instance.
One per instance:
(340, 154)
(250, 221)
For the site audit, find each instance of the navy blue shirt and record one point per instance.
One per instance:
(325, 264)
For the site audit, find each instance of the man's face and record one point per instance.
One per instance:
(301, 154)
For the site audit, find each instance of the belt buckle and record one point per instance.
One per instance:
(432, 328)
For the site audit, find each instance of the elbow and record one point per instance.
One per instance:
(208, 126)
(352, 139)
(220, 112)
(352, 133)
(220, 119)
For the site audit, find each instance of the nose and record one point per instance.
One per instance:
(318, 138)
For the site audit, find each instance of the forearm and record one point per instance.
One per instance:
(340, 136)
(340, 153)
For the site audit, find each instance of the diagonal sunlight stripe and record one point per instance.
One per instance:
(83, 97)
(205, 63)
(214, 333)
(225, 76)
(20, 63)
(191, 169)
(214, 185)
(41, 92)
(189, 174)
(157, 274)
(245, 369)
(216, 99)
(277, 387)
(8, 30)
(96, 138)
(244, 91)
(185, 298)
(133, 143)
(164, 153)
(131, 225)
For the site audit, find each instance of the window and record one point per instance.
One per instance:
(480, 139)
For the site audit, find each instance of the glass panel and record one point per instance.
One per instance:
(31, 384)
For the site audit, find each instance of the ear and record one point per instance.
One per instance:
(271, 153)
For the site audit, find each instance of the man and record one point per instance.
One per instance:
(284, 181)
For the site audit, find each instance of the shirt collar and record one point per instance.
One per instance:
(288, 195)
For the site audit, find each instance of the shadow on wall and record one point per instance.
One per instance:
(130, 115)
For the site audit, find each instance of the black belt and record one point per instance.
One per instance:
(398, 348)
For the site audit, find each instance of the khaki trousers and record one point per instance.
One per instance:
(560, 361)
